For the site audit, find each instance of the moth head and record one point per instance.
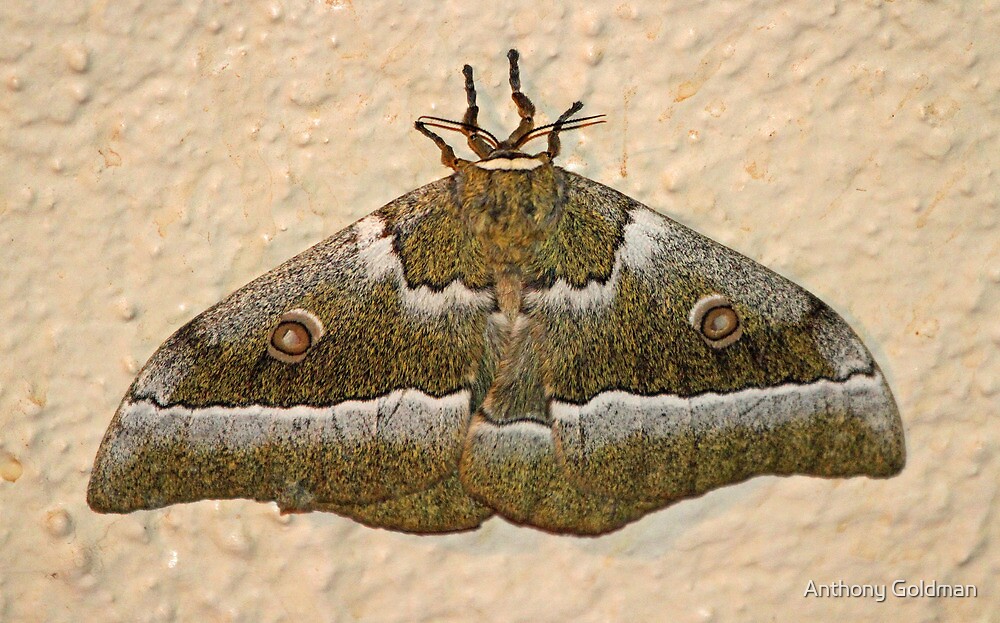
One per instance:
(503, 154)
(716, 321)
(512, 161)
(293, 335)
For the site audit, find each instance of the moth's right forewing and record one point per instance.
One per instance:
(370, 422)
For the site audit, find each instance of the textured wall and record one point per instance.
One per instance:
(155, 156)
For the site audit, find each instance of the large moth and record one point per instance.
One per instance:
(513, 339)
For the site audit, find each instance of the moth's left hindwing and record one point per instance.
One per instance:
(370, 420)
(643, 397)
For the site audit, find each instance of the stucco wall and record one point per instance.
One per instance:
(155, 156)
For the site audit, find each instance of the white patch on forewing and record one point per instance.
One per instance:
(562, 296)
(657, 250)
(636, 253)
(368, 230)
(382, 263)
(509, 164)
(641, 240)
(402, 415)
(610, 417)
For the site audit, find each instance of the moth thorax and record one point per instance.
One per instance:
(510, 211)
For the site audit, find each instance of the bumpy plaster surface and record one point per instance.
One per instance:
(155, 156)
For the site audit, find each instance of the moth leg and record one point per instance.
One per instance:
(471, 118)
(448, 157)
(553, 149)
(525, 109)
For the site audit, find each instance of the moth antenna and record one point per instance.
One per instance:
(569, 124)
(525, 109)
(448, 157)
(460, 126)
(481, 141)
(471, 118)
(553, 149)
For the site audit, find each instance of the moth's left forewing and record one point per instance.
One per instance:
(645, 408)
(368, 421)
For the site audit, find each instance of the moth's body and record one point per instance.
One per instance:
(512, 339)
(509, 212)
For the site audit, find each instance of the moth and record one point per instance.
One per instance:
(512, 340)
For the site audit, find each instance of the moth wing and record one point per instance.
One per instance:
(645, 407)
(369, 423)
(640, 409)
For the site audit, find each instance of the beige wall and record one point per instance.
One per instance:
(157, 155)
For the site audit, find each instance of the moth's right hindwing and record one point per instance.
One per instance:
(370, 422)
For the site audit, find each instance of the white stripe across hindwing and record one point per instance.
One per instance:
(402, 415)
